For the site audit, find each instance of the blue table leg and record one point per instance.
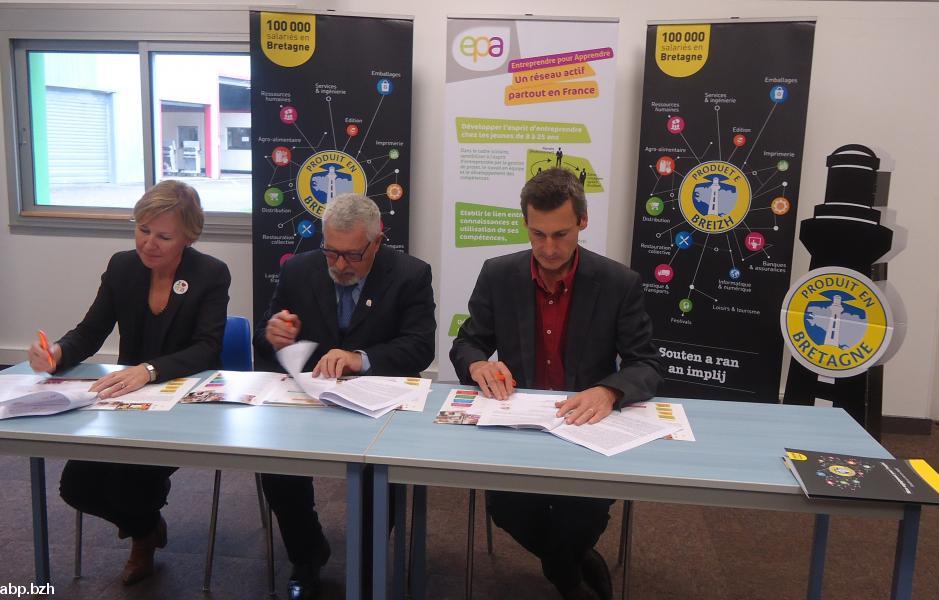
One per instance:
(37, 475)
(905, 559)
(354, 531)
(419, 543)
(380, 533)
(401, 498)
(817, 567)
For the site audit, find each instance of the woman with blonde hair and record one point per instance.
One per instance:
(170, 303)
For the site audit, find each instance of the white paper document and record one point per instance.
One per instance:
(618, 432)
(25, 395)
(369, 395)
(372, 396)
(523, 410)
(668, 412)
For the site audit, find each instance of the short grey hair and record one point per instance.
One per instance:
(345, 211)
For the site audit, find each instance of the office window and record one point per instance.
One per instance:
(77, 101)
(198, 99)
(239, 138)
(99, 121)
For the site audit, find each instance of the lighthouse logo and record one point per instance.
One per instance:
(326, 175)
(836, 322)
(714, 197)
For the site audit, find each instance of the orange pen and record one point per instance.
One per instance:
(44, 344)
(501, 377)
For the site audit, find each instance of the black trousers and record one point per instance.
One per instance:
(130, 496)
(292, 499)
(557, 529)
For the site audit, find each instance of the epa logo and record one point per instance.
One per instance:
(481, 48)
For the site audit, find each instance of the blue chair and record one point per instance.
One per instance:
(236, 356)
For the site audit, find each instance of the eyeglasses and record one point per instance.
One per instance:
(352, 257)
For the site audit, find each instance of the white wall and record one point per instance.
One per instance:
(873, 82)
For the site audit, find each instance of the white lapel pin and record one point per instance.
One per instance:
(368, 303)
(181, 286)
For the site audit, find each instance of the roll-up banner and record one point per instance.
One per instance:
(720, 158)
(330, 114)
(522, 95)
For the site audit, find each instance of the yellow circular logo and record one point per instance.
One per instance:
(836, 322)
(796, 456)
(714, 197)
(842, 470)
(324, 176)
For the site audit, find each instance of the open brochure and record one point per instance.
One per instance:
(369, 395)
(155, 397)
(618, 432)
(25, 395)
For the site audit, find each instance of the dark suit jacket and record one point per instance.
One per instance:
(194, 322)
(393, 320)
(607, 319)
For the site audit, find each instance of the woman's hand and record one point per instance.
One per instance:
(39, 358)
(121, 382)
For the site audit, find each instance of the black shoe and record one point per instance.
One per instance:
(304, 583)
(597, 575)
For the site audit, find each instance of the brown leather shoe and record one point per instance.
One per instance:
(140, 564)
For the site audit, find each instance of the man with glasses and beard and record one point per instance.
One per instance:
(371, 310)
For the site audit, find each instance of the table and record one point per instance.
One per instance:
(288, 440)
(735, 462)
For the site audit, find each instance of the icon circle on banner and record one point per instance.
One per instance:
(394, 153)
(780, 205)
(664, 273)
(779, 94)
(301, 29)
(714, 197)
(288, 115)
(655, 206)
(306, 228)
(754, 241)
(675, 125)
(734, 273)
(273, 196)
(836, 322)
(740, 140)
(683, 240)
(324, 176)
(281, 156)
(352, 130)
(385, 86)
(394, 191)
(685, 305)
(665, 165)
(783, 165)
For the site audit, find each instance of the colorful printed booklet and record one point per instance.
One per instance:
(828, 475)
(156, 397)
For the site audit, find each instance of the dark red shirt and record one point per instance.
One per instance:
(551, 310)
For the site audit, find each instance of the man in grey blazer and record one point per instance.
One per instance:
(559, 317)
(371, 311)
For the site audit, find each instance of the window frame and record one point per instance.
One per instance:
(94, 29)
